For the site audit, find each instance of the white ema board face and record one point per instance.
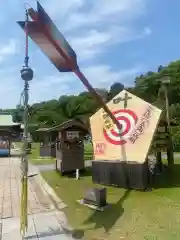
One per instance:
(138, 120)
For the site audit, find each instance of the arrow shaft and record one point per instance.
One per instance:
(34, 15)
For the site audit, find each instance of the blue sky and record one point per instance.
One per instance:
(115, 40)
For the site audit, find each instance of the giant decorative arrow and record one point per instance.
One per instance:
(46, 35)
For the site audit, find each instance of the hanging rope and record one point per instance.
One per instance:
(26, 60)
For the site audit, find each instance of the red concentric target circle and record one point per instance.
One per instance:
(128, 119)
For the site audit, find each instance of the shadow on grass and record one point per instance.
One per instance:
(108, 218)
(76, 234)
(167, 179)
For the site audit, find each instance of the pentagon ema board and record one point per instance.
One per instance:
(130, 144)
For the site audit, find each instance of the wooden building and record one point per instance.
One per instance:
(70, 145)
(48, 138)
(9, 131)
(160, 142)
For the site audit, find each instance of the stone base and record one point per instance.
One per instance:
(96, 196)
(94, 207)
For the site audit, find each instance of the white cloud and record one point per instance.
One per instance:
(78, 13)
(99, 76)
(62, 8)
(49, 81)
(52, 87)
(43, 93)
(8, 49)
(96, 74)
(93, 42)
(90, 43)
(104, 75)
(92, 27)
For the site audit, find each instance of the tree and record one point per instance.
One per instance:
(147, 86)
(103, 93)
(115, 89)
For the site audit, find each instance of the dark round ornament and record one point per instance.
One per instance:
(27, 74)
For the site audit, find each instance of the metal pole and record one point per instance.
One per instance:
(170, 144)
(26, 75)
(24, 164)
(26, 99)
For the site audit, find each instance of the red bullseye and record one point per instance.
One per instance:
(128, 124)
(128, 119)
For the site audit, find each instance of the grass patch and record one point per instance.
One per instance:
(88, 148)
(133, 215)
(88, 151)
(34, 156)
(36, 160)
(42, 161)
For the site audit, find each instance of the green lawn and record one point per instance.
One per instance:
(88, 148)
(35, 159)
(132, 215)
(88, 151)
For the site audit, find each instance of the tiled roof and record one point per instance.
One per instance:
(6, 120)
